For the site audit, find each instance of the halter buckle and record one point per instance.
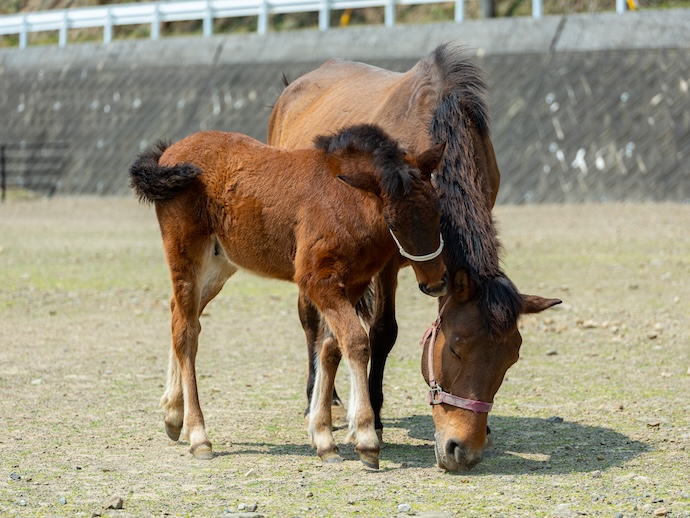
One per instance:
(433, 395)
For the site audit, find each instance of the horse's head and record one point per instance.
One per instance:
(402, 182)
(464, 361)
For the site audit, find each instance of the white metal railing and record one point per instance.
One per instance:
(155, 13)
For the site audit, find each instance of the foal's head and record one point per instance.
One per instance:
(375, 163)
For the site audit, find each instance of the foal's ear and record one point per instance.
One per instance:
(430, 159)
(363, 181)
(462, 287)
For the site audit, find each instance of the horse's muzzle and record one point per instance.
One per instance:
(452, 455)
(438, 289)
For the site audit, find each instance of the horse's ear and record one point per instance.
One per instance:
(537, 304)
(430, 159)
(363, 181)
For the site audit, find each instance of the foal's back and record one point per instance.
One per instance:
(264, 204)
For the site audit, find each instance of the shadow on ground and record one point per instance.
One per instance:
(521, 445)
(529, 444)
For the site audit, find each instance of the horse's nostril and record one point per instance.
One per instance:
(456, 451)
(463, 458)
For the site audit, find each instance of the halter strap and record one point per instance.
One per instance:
(418, 258)
(437, 395)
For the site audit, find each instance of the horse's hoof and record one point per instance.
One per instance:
(331, 458)
(202, 451)
(379, 434)
(370, 459)
(173, 431)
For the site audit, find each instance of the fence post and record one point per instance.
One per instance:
(620, 6)
(23, 34)
(156, 23)
(459, 10)
(62, 38)
(390, 13)
(108, 27)
(3, 173)
(262, 23)
(536, 8)
(208, 20)
(324, 15)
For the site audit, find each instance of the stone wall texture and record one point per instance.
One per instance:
(584, 107)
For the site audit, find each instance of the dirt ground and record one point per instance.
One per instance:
(84, 338)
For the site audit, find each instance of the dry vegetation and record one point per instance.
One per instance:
(85, 332)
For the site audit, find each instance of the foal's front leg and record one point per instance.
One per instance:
(354, 344)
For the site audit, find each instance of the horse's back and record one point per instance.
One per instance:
(341, 93)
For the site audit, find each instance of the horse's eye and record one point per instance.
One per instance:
(456, 346)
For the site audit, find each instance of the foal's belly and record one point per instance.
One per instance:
(262, 256)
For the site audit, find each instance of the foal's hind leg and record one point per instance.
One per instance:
(198, 273)
(320, 417)
(311, 322)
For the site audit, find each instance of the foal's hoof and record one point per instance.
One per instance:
(331, 458)
(202, 451)
(370, 459)
(173, 431)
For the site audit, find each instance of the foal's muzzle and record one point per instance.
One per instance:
(438, 289)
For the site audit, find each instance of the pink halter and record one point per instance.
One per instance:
(437, 395)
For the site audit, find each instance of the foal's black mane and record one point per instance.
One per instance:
(396, 175)
(466, 222)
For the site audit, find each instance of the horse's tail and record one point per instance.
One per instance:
(152, 182)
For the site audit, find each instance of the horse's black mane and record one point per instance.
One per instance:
(466, 222)
(396, 175)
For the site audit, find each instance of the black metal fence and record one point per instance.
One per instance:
(32, 166)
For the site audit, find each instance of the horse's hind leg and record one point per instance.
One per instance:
(382, 335)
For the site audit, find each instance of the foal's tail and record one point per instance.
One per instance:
(152, 182)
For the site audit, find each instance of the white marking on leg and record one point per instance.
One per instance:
(315, 395)
(353, 405)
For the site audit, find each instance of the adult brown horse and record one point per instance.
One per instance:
(441, 99)
(327, 219)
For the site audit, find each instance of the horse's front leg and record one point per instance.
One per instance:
(382, 336)
(354, 345)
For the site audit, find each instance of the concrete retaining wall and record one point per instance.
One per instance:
(584, 108)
